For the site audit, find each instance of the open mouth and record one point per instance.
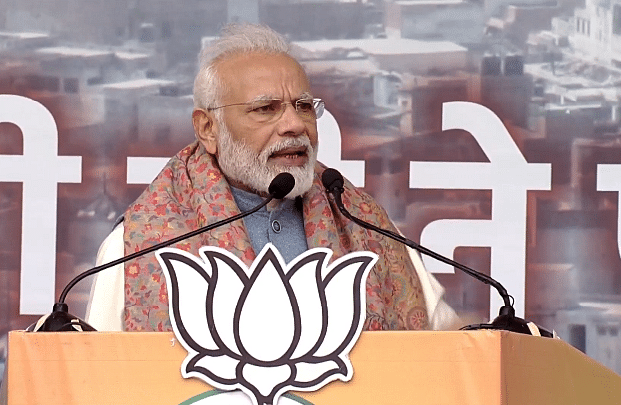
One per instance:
(290, 153)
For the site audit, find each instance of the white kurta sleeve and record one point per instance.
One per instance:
(107, 300)
(441, 315)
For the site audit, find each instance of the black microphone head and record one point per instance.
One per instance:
(331, 179)
(281, 185)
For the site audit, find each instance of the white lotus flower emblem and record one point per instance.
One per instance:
(269, 328)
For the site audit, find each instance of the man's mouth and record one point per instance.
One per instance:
(290, 153)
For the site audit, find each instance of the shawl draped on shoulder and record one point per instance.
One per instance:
(191, 192)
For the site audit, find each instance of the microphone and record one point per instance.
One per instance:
(333, 182)
(60, 320)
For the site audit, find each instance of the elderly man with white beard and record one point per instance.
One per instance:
(254, 117)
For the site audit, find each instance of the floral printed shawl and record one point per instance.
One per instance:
(191, 192)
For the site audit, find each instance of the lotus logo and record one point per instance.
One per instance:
(269, 328)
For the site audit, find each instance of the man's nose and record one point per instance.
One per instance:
(290, 123)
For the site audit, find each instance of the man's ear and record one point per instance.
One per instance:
(205, 128)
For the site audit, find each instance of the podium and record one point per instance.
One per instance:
(474, 367)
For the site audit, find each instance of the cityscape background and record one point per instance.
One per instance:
(117, 77)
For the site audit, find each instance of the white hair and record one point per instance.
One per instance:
(234, 39)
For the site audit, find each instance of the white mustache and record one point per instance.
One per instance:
(286, 144)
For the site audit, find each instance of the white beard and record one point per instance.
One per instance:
(241, 164)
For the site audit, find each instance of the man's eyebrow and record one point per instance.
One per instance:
(304, 96)
(262, 98)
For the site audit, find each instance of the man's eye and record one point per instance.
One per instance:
(265, 108)
(305, 106)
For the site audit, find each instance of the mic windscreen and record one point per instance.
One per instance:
(281, 185)
(331, 179)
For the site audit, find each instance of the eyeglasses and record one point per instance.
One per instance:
(272, 109)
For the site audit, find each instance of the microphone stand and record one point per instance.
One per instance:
(61, 320)
(506, 320)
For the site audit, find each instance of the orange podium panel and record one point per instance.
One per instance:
(475, 367)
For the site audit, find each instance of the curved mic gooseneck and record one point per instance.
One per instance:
(333, 182)
(61, 320)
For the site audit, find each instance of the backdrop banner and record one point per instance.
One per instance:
(489, 131)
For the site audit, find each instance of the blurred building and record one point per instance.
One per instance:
(597, 31)
(397, 54)
(347, 87)
(88, 21)
(387, 172)
(518, 20)
(165, 119)
(173, 28)
(23, 41)
(242, 10)
(580, 89)
(151, 117)
(593, 326)
(362, 79)
(505, 89)
(318, 19)
(423, 97)
(95, 94)
(68, 79)
(456, 21)
(575, 279)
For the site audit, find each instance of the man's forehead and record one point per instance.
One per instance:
(264, 75)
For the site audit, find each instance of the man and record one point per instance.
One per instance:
(254, 117)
